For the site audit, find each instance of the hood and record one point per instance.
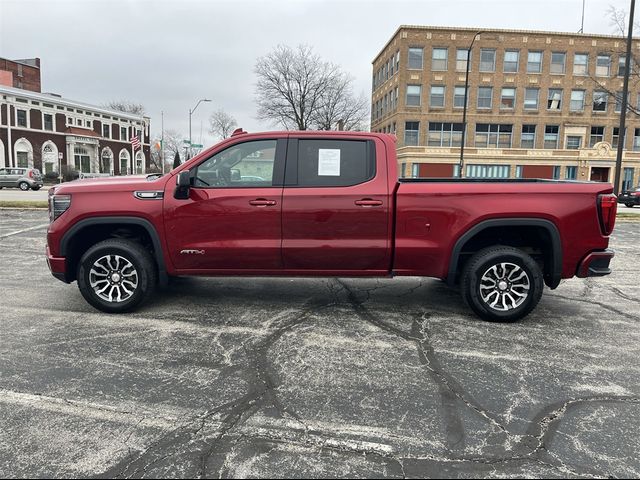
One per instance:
(112, 184)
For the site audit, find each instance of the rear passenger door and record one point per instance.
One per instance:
(335, 206)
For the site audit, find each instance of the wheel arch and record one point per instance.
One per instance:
(553, 257)
(109, 224)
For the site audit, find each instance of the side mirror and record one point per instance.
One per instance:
(183, 184)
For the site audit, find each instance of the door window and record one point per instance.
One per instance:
(248, 164)
(334, 163)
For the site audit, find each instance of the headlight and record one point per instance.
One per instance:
(58, 204)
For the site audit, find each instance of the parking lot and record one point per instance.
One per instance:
(247, 377)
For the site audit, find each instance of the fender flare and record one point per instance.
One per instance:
(146, 224)
(549, 226)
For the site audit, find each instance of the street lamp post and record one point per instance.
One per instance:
(191, 113)
(623, 109)
(464, 107)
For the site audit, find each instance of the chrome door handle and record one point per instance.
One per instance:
(262, 202)
(368, 202)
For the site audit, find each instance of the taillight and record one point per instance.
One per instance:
(607, 208)
(58, 204)
(30, 173)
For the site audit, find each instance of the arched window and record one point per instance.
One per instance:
(106, 161)
(139, 162)
(124, 162)
(24, 153)
(49, 157)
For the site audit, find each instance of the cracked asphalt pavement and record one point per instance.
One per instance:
(248, 377)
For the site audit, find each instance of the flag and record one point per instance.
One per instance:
(135, 141)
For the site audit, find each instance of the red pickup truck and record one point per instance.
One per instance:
(326, 204)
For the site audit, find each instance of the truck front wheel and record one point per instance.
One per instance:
(502, 284)
(116, 275)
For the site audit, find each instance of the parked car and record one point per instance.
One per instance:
(333, 207)
(22, 178)
(630, 197)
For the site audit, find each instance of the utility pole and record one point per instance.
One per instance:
(162, 140)
(625, 93)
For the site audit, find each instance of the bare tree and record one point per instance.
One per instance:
(125, 106)
(291, 84)
(618, 22)
(172, 145)
(221, 124)
(339, 106)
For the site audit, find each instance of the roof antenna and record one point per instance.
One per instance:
(582, 24)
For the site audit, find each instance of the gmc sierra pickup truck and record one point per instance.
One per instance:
(326, 204)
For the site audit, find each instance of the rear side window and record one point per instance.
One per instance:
(335, 163)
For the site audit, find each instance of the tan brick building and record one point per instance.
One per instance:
(540, 104)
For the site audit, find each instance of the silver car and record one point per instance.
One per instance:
(22, 178)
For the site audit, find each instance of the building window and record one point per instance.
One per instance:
(518, 171)
(444, 134)
(603, 65)
(511, 58)
(600, 101)
(507, 98)
(493, 135)
(82, 160)
(619, 102)
(636, 139)
(531, 98)
(436, 98)
(597, 135)
(577, 101)
(487, 60)
(554, 101)
(556, 172)
(581, 64)
(48, 121)
(574, 142)
(411, 132)
(484, 97)
(439, 59)
(528, 137)
(462, 55)
(557, 62)
(534, 62)
(615, 138)
(627, 179)
(21, 118)
(413, 95)
(458, 97)
(551, 136)
(570, 173)
(105, 131)
(622, 65)
(415, 58)
(487, 171)
(79, 122)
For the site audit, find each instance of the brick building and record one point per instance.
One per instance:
(23, 74)
(55, 134)
(540, 104)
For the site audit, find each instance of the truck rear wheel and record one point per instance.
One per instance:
(502, 284)
(116, 275)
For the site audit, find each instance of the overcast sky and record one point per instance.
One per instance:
(168, 54)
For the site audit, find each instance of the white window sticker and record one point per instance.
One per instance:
(329, 162)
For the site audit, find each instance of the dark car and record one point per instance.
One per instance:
(20, 177)
(630, 197)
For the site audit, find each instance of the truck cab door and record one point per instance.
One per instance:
(336, 206)
(231, 222)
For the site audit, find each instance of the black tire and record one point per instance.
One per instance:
(629, 205)
(123, 252)
(35, 189)
(24, 186)
(489, 301)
